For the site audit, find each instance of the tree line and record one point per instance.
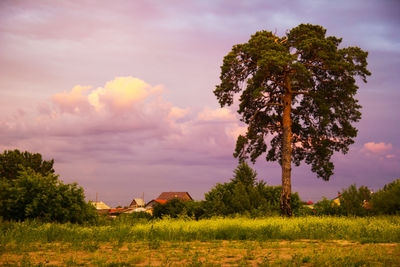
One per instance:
(245, 196)
(30, 189)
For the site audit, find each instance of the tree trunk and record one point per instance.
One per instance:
(286, 209)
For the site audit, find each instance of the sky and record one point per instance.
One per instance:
(120, 93)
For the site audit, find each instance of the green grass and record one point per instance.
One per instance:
(274, 241)
(364, 230)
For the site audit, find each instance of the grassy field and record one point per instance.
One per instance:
(303, 241)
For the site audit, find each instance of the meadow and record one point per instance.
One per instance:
(300, 241)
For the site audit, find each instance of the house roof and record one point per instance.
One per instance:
(137, 202)
(155, 201)
(171, 195)
(100, 205)
(161, 201)
(117, 210)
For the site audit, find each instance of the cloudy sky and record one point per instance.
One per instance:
(119, 93)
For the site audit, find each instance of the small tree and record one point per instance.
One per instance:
(299, 90)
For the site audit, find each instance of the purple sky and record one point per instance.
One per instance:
(119, 93)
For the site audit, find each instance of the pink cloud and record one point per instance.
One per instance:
(378, 148)
(222, 114)
(126, 118)
(73, 101)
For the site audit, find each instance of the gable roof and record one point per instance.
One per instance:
(137, 202)
(171, 195)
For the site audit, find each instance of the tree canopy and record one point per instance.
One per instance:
(13, 161)
(297, 95)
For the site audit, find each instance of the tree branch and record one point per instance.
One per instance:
(313, 66)
(274, 104)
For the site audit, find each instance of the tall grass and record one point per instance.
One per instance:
(372, 229)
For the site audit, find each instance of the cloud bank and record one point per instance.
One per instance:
(126, 119)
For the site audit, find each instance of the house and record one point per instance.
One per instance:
(170, 195)
(137, 203)
(336, 200)
(166, 196)
(100, 205)
(309, 204)
(152, 203)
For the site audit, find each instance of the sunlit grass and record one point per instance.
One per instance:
(366, 230)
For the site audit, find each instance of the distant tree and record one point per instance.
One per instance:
(299, 91)
(387, 200)
(13, 161)
(244, 195)
(353, 200)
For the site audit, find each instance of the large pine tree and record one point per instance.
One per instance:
(297, 90)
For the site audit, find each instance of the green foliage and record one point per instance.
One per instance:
(327, 207)
(354, 201)
(30, 189)
(387, 200)
(245, 195)
(13, 161)
(318, 77)
(32, 195)
(172, 208)
(177, 208)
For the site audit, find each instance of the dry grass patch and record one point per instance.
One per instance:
(213, 253)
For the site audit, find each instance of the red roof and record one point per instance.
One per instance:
(161, 201)
(310, 202)
(115, 210)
